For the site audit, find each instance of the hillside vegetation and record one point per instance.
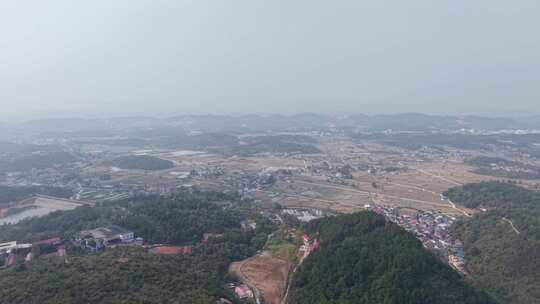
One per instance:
(179, 220)
(101, 278)
(363, 259)
(502, 246)
(493, 195)
(500, 167)
(132, 275)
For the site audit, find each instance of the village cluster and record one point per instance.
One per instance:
(431, 228)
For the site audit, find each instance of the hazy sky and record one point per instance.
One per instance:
(126, 57)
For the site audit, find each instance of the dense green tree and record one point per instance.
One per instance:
(502, 261)
(364, 259)
(132, 275)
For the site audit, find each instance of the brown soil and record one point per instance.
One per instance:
(266, 273)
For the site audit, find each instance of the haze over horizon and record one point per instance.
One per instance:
(125, 58)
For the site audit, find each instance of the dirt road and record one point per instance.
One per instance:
(512, 225)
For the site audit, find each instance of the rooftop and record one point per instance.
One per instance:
(172, 250)
(108, 232)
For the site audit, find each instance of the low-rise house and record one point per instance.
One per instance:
(313, 246)
(24, 246)
(8, 247)
(55, 241)
(248, 225)
(243, 292)
(11, 260)
(208, 236)
(29, 256)
(61, 252)
(110, 236)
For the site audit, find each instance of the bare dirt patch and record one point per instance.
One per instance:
(267, 274)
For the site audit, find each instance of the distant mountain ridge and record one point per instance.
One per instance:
(277, 122)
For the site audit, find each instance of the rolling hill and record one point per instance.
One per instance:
(364, 259)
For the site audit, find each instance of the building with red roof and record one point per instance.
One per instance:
(54, 242)
(169, 250)
(243, 292)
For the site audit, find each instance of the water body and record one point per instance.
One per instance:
(35, 212)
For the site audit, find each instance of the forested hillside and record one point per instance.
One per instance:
(132, 275)
(180, 220)
(128, 275)
(363, 259)
(500, 167)
(142, 162)
(502, 246)
(493, 195)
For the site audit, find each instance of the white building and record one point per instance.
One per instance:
(7, 247)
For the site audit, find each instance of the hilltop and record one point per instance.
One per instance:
(364, 259)
(502, 245)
